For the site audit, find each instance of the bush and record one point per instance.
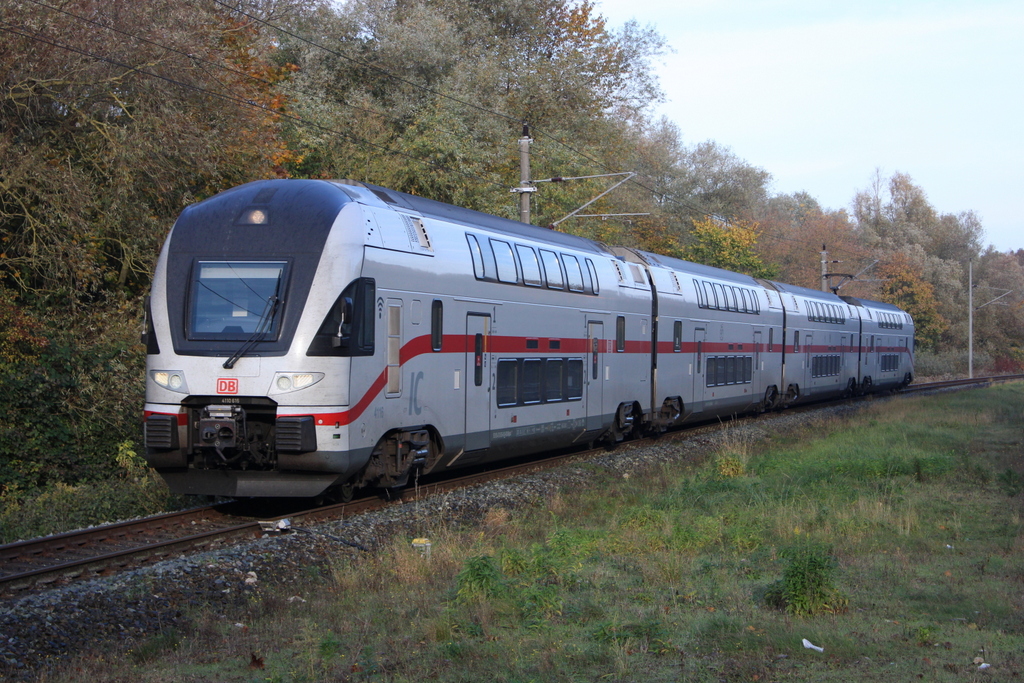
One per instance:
(807, 587)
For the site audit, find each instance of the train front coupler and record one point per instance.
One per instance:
(222, 427)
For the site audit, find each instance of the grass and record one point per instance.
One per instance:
(891, 539)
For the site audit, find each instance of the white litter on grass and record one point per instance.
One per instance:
(983, 666)
(811, 646)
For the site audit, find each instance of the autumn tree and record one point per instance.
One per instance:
(904, 286)
(728, 246)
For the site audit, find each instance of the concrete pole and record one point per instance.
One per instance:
(525, 188)
(824, 269)
(970, 319)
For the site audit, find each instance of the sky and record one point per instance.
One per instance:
(821, 93)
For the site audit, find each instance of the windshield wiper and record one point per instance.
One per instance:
(262, 327)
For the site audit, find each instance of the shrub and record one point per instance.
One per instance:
(807, 587)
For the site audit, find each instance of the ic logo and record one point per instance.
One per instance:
(227, 385)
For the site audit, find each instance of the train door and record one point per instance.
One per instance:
(478, 382)
(595, 374)
(699, 338)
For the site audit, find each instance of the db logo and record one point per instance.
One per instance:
(227, 385)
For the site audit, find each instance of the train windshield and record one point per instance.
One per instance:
(232, 300)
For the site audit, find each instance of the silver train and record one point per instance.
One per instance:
(310, 336)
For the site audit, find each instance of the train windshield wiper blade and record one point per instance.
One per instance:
(262, 327)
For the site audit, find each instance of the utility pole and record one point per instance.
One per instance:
(970, 314)
(826, 284)
(824, 269)
(526, 186)
(970, 319)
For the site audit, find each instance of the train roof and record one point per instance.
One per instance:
(692, 268)
(868, 303)
(477, 219)
(806, 292)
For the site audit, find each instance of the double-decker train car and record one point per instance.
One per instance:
(306, 336)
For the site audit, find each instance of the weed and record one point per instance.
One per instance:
(1011, 482)
(479, 578)
(807, 587)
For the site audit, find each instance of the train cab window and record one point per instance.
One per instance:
(552, 270)
(620, 334)
(677, 336)
(348, 328)
(531, 267)
(506, 261)
(232, 301)
(477, 254)
(436, 325)
(508, 382)
(573, 274)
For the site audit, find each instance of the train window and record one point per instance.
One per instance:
(436, 325)
(730, 370)
(533, 343)
(530, 264)
(711, 378)
(530, 387)
(348, 328)
(478, 257)
(508, 382)
(701, 299)
(553, 379)
(573, 274)
(733, 303)
(796, 341)
(552, 269)
(554, 343)
(744, 302)
(620, 334)
(595, 286)
(771, 339)
(709, 294)
(234, 301)
(573, 379)
(506, 261)
(722, 303)
(748, 374)
(677, 336)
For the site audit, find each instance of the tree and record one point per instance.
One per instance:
(730, 247)
(904, 286)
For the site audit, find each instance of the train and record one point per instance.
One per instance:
(306, 338)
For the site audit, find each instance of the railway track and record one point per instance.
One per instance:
(54, 560)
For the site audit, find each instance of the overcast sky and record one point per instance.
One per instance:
(820, 93)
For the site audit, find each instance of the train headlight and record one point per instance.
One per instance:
(170, 379)
(293, 381)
